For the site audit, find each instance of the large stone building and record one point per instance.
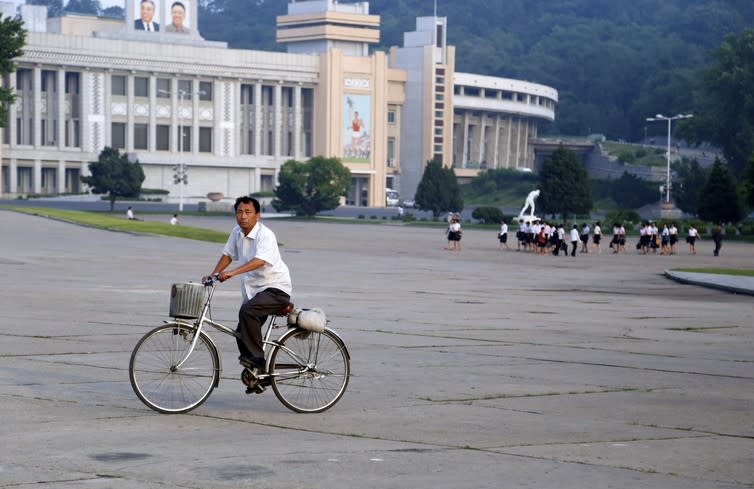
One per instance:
(230, 118)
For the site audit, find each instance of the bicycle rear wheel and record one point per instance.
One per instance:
(309, 371)
(159, 383)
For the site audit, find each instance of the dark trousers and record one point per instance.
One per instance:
(252, 316)
(574, 245)
(718, 244)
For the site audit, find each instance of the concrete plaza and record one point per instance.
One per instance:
(472, 369)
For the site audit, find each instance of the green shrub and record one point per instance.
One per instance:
(360, 216)
(488, 214)
(622, 216)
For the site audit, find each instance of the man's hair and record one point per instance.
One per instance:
(180, 4)
(148, 1)
(247, 200)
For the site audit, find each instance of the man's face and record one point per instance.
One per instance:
(247, 217)
(147, 11)
(178, 14)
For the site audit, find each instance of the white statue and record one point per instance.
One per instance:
(529, 204)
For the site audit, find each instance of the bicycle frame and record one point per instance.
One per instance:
(203, 319)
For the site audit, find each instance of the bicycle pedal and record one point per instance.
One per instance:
(255, 389)
(249, 378)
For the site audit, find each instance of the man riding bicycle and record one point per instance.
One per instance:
(265, 279)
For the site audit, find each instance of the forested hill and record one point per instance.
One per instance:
(614, 62)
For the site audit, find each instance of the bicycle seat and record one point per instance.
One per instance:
(285, 310)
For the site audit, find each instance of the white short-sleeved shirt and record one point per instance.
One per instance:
(259, 243)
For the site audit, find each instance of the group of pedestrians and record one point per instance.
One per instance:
(543, 237)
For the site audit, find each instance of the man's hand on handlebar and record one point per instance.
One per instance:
(220, 277)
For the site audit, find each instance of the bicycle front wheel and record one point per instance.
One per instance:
(158, 380)
(309, 371)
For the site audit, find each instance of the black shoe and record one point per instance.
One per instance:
(256, 389)
(251, 362)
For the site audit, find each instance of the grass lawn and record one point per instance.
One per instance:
(109, 221)
(718, 271)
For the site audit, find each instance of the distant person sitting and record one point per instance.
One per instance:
(178, 14)
(174, 219)
(130, 214)
(146, 23)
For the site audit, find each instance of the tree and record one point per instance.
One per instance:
(113, 174)
(83, 7)
(631, 192)
(690, 180)
(747, 183)
(726, 113)
(310, 187)
(564, 185)
(719, 199)
(438, 190)
(54, 7)
(12, 40)
(114, 12)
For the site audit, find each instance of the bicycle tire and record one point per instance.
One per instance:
(318, 384)
(157, 382)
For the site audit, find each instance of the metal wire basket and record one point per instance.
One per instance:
(186, 300)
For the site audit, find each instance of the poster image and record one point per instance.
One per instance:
(357, 134)
(146, 15)
(177, 16)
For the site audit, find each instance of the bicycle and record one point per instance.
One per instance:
(175, 367)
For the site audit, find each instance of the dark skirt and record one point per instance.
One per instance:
(503, 238)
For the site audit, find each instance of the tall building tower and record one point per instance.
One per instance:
(317, 26)
(428, 110)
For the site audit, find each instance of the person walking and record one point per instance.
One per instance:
(597, 237)
(691, 239)
(717, 237)
(502, 236)
(575, 239)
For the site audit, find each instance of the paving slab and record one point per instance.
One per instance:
(481, 368)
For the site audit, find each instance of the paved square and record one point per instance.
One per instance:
(481, 369)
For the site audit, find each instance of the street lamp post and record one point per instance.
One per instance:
(660, 117)
(180, 172)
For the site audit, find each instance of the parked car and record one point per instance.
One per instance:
(408, 204)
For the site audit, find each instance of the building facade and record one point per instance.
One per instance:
(201, 117)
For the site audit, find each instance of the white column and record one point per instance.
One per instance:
(130, 109)
(464, 159)
(194, 118)
(482, 136)
(257, 119)
(12, 114)
(298, 123)
(175, 129)
(152, 130)
(518, 143)
(61, 177)
(37, 107)
(13, 177)
(508, 143)
(62, 116)
(496, 156)
(36, 183)
(277, 104)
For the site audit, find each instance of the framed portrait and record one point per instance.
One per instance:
(177, 16)
(147, 15)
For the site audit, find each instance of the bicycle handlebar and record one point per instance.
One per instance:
(210, 280)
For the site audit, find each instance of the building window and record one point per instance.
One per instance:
(440, 71)
(141, 136)
(141, 86)
(118, 85)
(205, 91)
(439, 114)
(266, 183)
(439, 36)
(163, 88)
(471, 91)
(390, 151)
(162, 135)
(184, 88)
(391, 117)
(118, 135)
(185, 138)
(205, 139)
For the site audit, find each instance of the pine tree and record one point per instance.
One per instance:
(564, 185)
(719, 199)
(12, 40)
(438, 190)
